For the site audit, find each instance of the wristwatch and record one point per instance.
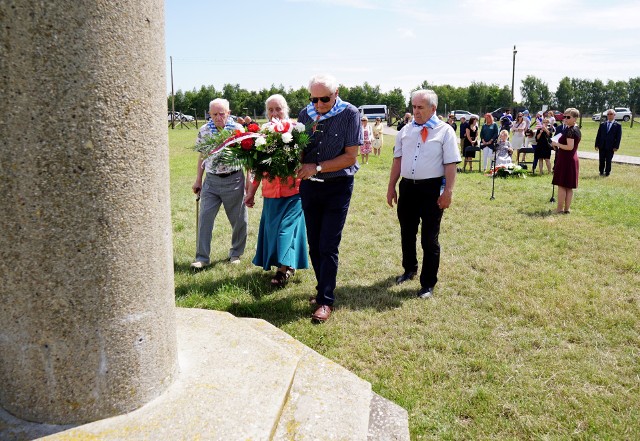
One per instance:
(318, 167)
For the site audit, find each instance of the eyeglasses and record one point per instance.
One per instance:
(568, 116)
(324, 99)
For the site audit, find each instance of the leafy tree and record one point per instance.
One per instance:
(564, 94)
(582, 95)
(617, 93)
(634, 96)
(297, 100)
(477, 96)
(535, 93)
(598, 97)
(497, 97)
(396, 102)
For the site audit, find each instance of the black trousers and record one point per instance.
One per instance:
(419, 202)
(606, 155)
(325, 206)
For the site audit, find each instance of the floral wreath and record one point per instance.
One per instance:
(273, 151)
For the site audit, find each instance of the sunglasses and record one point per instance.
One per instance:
(324, 99)
(568, 116)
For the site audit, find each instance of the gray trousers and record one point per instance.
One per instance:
(229, 192)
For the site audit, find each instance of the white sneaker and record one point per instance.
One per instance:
(199, 264)
(234, 259)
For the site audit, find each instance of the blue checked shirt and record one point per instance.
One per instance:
(331, 137)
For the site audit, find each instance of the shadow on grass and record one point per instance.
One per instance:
(550, 212)
(185, 268)
(251, 295)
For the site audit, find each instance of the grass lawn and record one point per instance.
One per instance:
(629, 145)
(534, 329)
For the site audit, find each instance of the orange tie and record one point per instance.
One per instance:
(424, 132)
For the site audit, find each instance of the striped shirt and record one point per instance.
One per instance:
(331, 137)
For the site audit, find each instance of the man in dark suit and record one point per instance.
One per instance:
(608, 141)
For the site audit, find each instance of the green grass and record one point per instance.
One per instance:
(629, 145)
(534, 329)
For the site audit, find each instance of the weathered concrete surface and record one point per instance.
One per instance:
(86, 266)
(387, 421)
(326, 401)
(243, 379)
(232, 385)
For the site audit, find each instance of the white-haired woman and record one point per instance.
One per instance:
(282, 237)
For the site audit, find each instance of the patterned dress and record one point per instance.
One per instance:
(366, 148)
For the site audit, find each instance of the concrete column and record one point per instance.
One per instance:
(87, 317)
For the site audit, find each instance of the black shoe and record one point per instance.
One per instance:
(407, 275)
(425, 293)
(606, 174)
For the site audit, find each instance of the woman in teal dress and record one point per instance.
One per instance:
(282, 236)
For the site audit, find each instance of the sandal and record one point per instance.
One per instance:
(280, 279)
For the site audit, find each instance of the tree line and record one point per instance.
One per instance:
(245, 102)
(588, 96)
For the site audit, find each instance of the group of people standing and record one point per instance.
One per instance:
(495, 143)
(305, 214)
(491, 138)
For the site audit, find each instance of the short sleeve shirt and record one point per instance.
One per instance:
(331, 137)
(425, 160)
(210, 164)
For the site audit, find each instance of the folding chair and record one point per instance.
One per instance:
(479, 157)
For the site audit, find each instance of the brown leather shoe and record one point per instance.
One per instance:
(322, 314)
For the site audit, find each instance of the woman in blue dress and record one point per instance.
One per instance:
(282, 236)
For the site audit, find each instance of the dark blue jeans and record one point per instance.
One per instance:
(325, 206)
(418, 202)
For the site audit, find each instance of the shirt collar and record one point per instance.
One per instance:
(431, 122)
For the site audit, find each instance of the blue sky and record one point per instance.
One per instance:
(399, 43)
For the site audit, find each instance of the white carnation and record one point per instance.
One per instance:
(272, 128)
(299, 127)
(287, 138)
(260, 141)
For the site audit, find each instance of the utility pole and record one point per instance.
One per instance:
(173, 101)
(513, 76)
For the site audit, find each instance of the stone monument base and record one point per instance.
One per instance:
(242, 379)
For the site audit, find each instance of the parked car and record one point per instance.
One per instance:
(178, 116)
(460, 113)
(497, 114)
(622, 114)
(558, 115)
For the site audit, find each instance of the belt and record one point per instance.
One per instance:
(337, 179)
(224, 175)
(422, 181)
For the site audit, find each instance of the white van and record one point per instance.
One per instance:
(373, 111)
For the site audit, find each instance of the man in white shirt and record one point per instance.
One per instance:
(425, 156)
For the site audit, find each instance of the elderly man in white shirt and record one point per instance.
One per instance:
(425, 156)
